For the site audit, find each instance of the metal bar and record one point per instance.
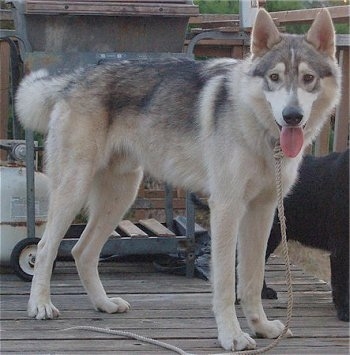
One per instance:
(169, 212)
(243, 36)
(18, 11)
(129, 246)
(30, 183)
(190, 228)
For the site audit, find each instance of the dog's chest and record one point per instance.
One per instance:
(263, 180)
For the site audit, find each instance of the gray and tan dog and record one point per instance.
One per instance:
(207, 126)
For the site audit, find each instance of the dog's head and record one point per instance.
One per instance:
(299, 76)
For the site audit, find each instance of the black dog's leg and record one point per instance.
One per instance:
(268, 293)
(274, 241)
(340, 283)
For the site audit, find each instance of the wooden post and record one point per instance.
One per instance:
(322, 141)
(237, 52)
(341, 128)
(4, 91)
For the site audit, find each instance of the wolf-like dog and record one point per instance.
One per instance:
(207, 126)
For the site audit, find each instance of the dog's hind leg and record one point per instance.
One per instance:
(253, 236)
(111, 195)
(67, 197)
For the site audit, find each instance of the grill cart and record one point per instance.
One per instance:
(63, 35)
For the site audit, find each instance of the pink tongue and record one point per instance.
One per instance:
(291, 140)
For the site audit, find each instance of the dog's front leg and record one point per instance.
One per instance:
(224, 227)
(253, 236)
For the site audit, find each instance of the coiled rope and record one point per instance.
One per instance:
(278, 158)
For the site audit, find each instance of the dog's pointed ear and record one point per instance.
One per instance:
(321, 34)
(264, 34)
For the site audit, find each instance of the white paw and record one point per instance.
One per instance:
(270, 329)
(242, 341)
(112, 305)
(42, 310)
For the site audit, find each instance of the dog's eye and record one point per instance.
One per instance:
(308, 78)
(274, 77)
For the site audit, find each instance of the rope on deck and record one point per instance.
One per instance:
(133, 336)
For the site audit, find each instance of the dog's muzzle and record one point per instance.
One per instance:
(292, 133)
(292, 115)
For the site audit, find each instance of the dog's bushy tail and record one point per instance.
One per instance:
(35, 99)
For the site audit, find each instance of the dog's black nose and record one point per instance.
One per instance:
(292, 115)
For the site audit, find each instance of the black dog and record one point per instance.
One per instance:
(317, 215)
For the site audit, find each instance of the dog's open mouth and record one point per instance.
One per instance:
(291, 140)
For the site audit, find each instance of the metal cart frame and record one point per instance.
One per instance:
(34, 57)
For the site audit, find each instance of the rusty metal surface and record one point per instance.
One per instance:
(58, 63)
(105, 33)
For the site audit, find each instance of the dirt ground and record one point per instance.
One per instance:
(313, 261)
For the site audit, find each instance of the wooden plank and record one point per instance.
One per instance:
(157, 228)
(131, 229)
(110, 8)
(310, 316)
(338, 14)
(116, 345)
(160, 327)
(113, 1)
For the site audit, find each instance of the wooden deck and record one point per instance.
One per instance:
(170, 308)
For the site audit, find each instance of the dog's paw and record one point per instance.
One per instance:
(242, 341)
(113, 305)
(42, 310)
(269, 329)
(268, 293)
(343, 314)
